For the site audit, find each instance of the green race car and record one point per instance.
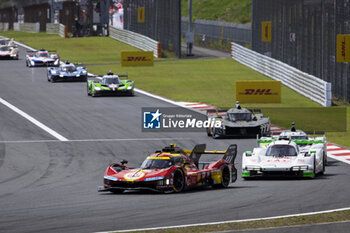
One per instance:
(110, 85)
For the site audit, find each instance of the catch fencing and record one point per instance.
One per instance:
(137, 40)
(159, 20)
(303, 35)
(305, 84)
(216, 31)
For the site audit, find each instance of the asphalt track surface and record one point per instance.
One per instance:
(47, 185)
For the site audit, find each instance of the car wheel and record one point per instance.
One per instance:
(208, 132)
(179, 181)
(225, 177)
(323, 165)
(26, 63)
(314, 170)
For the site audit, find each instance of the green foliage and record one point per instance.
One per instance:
(238, 11)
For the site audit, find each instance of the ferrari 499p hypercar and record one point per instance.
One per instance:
(173, 170)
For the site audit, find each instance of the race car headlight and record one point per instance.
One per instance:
(130, 87)
(111, 178)
(53, 72)
(154, 178)
(61, 75)
(97, 89)
(77, 75)
(32, 62)
(253, 168)
(84, 72)
(300, 168)
(167, 181)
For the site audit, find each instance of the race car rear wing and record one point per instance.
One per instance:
(211, 113)
(229, 154)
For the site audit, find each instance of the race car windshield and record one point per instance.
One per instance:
(43, 55)
(107, 81)
(68, 68)
(239, 116)
(299, 137)
(4, 48)
(156, 163)
(281, 150)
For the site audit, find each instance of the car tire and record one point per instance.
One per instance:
(178, 181)
(225, 177)
(323, 165)
(314, 170)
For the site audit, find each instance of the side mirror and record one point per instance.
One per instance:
(248, 153)
(123, 161)
(255, 119)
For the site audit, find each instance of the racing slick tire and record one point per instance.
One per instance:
(323, 165)
(208, 132)
(225, 177)
(314, 170)
(179, 181)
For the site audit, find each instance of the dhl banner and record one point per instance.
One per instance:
(141, 15)
(137, 58)
(258, 91)
(343, 48)
(266, 34)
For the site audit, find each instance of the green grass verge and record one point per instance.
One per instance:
(210, 81)
(280, 222)
(86, 50)
(238, 11)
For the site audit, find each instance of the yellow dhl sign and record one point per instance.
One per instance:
(258, 91)
(141, 15)
(139, 58)
(343, 48)
(266, 34)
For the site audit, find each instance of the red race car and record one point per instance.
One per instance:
(172, 170)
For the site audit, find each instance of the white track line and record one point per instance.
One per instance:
(34, 121)
(233, 221)
(99, 140)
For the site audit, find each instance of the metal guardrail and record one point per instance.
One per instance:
(305, 84)
(27, 27)
(4, 26)
(216, 30)
(52, 28)
(55, 28)
(62, 30)
(137, 40)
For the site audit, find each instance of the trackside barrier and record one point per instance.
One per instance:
(305, 84)
(4, 26)
(52, 28)
(27, 27)
(55, 28)
(137, 40)
(62, 31)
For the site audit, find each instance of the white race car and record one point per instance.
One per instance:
(291, 153)
(7, 51)
(42, 58)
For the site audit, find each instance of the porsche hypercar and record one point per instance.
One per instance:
(110, 85)
(7, 51)
(67, 72)
(238, 122)
(173, 170)
(42, 58)
(286, 155)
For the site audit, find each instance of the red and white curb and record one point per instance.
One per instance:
(333, 151)
(338, 153)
